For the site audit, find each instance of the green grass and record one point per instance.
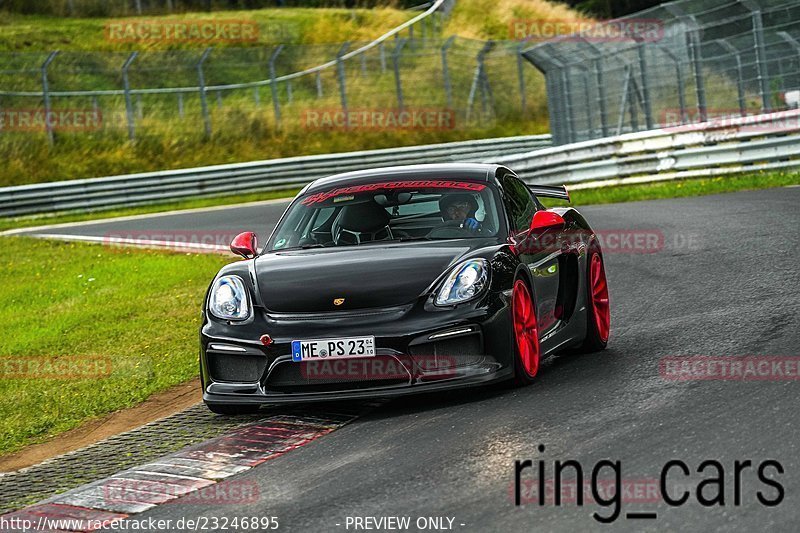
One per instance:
(70, 303)
(24, 33)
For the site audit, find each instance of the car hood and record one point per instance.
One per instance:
(367, 276)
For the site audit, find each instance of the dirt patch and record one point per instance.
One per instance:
(168, 402)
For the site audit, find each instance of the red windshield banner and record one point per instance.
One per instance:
(411, 184)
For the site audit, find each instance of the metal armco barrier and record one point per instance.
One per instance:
(743, 144)
(275, 174)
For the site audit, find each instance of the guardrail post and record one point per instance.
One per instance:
(382, 54)
(273, 85)
(256, 97)
(761, 60)
(46, 97)
(521, 76)
(202, 88)
(728, 47)
(318, 79)
(289, 97)
(219, 99)
(398, 86)
(448, 90)
(340, 74)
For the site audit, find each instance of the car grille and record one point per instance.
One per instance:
(339, 374)
(465, 348)
(236, 367)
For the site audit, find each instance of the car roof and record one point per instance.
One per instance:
(449, 171)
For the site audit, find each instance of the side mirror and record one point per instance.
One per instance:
(245, 244)
(547, 220)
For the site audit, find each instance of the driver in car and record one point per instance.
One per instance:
(460, 208)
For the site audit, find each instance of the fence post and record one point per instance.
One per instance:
(256, 97)
(728, 47)
(46, 97)
(648, 109)
(792, 41)
(587, 96)
(289, 97)
(202, 88)
(398, 86)
(448, 90)
(342, 81)
(219, 99)
(521, 76)
(319, 84)
(761, 60)
(478, 78)
(180, 105)
(138, 7)
(273, 85)
(383, 56)
(681, 85)
(700, 88)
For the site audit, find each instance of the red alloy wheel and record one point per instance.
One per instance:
(525, 328)
(599, 291)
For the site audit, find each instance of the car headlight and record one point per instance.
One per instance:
(464, 283)
(228, 299)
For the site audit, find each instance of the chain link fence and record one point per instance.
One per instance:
(433, 82)
(675, 65)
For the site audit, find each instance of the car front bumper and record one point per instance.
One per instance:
(417, 350)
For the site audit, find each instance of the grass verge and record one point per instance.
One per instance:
(86, 330)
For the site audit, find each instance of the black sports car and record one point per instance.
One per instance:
(400, 280)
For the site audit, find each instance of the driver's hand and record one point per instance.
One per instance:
(471, 223)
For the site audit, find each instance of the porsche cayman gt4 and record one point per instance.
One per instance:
(401, 280)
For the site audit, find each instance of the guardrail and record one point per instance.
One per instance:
(274, 174)
(743, 144)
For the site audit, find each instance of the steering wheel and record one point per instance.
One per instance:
(452, 229)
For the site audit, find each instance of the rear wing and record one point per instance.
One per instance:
(550, 191)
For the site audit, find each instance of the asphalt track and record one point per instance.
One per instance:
(725, 283)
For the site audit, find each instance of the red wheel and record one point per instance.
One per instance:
(599, 316)
(526, 333)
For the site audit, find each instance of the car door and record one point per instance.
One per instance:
(540, 251)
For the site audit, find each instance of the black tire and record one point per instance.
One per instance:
(593, 342)
(232, 408)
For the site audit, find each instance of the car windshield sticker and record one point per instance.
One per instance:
(410, 184)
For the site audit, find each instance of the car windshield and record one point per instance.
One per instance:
(384, 211)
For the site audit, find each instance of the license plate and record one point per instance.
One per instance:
(333, 348)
